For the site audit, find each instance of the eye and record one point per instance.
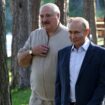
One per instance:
(70, 32)
(41, 16)
(74, 32)
(77, 32)
(48, 15)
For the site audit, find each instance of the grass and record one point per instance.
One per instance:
(20, 96)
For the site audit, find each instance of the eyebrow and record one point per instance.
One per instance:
(74, 31)
(48, 14)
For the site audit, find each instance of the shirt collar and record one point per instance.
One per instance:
(84, 46)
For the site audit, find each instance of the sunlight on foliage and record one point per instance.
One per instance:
(20, 96)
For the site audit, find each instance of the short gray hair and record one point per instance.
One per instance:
(80, 19)
(53, 7)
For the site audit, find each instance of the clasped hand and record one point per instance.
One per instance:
(40, 50)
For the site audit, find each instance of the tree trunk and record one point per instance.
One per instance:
(4, 79)
(89, 14)
(20, 34)
(25, 19)
(60, 4)
(33, 16)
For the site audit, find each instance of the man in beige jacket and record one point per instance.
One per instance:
(40, 51)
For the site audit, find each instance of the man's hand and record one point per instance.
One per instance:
(40, 50)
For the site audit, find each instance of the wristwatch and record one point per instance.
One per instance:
(30, 52)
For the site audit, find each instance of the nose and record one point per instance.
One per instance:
(44, 18)
(72, 36)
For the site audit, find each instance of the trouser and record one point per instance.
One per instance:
(35, 100)
(72, 103)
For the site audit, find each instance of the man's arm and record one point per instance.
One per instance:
(24, 58)
(99, 94)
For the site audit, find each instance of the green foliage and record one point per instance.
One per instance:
(75, 9)
(100, 13)
(100, 8)
(20, 96)
(9, 68)
(8, 17)
(9, 63)
(47, 1)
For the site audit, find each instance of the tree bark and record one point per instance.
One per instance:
(4, 79)
(60, 4)
(89, 14)
(25, 19)
(20, 35)
(33, 16)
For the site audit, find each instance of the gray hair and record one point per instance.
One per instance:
(53, 7)
(80, 19)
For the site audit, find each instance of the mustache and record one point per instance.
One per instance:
(46, 22)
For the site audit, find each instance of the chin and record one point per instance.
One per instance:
(48, 29)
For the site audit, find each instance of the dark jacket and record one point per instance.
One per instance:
(90, 85)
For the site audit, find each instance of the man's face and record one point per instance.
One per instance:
(77, 34)
(49, 19)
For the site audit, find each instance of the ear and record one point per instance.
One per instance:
(58, 15)
(86, 32)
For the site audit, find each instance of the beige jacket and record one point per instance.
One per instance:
(43, 72)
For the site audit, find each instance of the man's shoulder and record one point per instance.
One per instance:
(65, 49)
(38, 30)
(63, 27)
(98, 49)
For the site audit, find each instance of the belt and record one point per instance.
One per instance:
(72, 103)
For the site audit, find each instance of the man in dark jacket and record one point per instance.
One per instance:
(80, 76)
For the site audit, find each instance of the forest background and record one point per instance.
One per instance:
(18, 18)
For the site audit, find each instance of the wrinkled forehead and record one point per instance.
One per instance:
(75, 25)
(46, 10)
